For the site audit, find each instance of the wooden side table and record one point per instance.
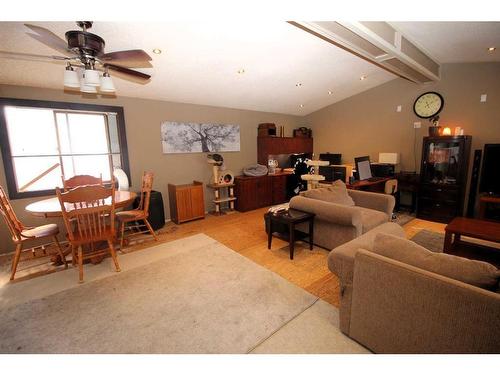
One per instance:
(290, 218)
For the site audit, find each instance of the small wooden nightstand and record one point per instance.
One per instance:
(186, 202)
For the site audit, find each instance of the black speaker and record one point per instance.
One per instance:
(474, 180)
(156, 212)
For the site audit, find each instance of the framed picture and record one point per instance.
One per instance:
(184, 137)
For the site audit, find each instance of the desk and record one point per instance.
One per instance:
(375, 186)
(51, 207)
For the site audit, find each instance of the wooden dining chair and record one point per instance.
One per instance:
(80, 180)
(22, 234)
(89, 216)
(141, 213)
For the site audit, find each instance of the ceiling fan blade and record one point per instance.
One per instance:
(129, 74)
(134, 58)
(50, 39)
(31, 56)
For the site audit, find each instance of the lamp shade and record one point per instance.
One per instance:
(87, 89)
(107, 84)
(91, 77)
(71, 79)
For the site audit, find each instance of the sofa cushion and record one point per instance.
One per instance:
(371, 218)
(481, 274)
(334, 194)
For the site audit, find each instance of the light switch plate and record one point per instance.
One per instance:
(398, 108)
(417, 125)
(483, 98)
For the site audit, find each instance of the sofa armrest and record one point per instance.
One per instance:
(398, 308)
(376, 201)
(341, 259)
(331, 212)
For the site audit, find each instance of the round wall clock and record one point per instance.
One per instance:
(428, 105)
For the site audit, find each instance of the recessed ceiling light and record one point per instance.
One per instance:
(301, 106)
(330, 92)
(298, 84)
(241, 71)
(157, 51)
(491, 49)
(362, 78)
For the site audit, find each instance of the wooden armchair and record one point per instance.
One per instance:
(22, 234)
(141, 213)
(89, 215)
(80, 180)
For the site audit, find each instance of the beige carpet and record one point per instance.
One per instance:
(187, 296)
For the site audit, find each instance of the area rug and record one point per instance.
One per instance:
(206, 299)
(432, 241)
(403, 218)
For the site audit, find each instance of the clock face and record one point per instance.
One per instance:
(428, 105)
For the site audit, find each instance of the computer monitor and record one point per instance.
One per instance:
(363, 167)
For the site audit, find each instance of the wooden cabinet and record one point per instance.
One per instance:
(443, 177)
(282, 145)
(186, 202)
(262, 191)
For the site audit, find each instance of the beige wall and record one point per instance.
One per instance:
(367, 123)
(143, 118)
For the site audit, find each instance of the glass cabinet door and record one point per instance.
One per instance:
(441, 162)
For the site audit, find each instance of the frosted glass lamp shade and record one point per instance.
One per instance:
(87, 89)
(71, 79)
(107, 84)
(91, 78)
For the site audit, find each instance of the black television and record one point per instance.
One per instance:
(490, 170)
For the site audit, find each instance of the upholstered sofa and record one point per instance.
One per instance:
(397, 297)
(341, 214)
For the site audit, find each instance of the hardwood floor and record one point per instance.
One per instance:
(245, 234)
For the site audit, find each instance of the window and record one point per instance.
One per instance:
(42, 141)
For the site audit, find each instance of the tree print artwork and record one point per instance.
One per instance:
(181, 137)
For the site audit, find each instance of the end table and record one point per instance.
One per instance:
(290, 218)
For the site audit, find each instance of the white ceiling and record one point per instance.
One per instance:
(454, 42)
(200, 61)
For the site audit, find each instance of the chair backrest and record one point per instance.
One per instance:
(92, 208)
(81, 180)
(15, 226)
(147, 186)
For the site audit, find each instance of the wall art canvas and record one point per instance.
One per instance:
(182, 137)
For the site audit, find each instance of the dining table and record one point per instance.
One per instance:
(50, 207)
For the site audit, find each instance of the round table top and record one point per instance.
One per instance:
(50, 207)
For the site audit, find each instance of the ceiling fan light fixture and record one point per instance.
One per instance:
(107, 84)
(71, 77)
(91, 78)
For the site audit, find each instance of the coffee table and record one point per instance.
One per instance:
(290, 218)
(475, 228)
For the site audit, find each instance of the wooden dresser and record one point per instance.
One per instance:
(262, 191)
(186, 202)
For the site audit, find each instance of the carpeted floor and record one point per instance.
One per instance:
(178, 297)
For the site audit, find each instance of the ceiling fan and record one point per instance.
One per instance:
(84, 52)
